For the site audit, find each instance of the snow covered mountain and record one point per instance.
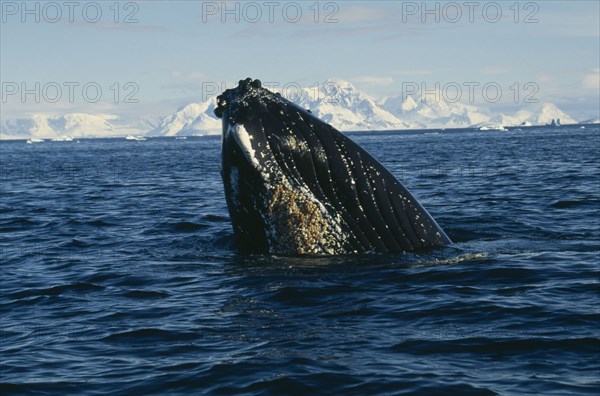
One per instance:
(336, 102)
(427, 113)
(193, 119)
(439, 114)
(67, 125)
(343, 106)
(549, 112)
(543, 114)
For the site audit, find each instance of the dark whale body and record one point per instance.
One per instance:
(295, 185)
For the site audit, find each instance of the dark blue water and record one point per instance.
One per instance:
(119, 275)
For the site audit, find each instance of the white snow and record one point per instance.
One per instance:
(550, 112)
(65, 127)
(192, 119)
(429, 113)
(340, 104)
(336, 102)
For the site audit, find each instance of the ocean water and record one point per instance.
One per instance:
(118, 275)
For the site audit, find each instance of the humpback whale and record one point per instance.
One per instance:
(294, 185)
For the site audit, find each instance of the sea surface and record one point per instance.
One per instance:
(119, 275)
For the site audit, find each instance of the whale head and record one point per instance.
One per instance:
(296, 185)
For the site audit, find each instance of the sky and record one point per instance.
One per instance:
(148, 58)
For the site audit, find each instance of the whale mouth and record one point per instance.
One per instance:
(296, 185)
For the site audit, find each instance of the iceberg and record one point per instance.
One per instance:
(135, 138)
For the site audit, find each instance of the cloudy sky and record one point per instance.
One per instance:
(148, 58)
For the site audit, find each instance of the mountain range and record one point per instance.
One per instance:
(337, 102)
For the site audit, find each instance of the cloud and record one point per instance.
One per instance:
(190, 75)
(360, 14)
(591, 80)
(495, 70)
(544, 77)
(373, 80)
(414, 72)
(130, 27)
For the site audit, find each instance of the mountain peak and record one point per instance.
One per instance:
(408, 104)
(190, 119)
(342, 84)
(551, 112)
